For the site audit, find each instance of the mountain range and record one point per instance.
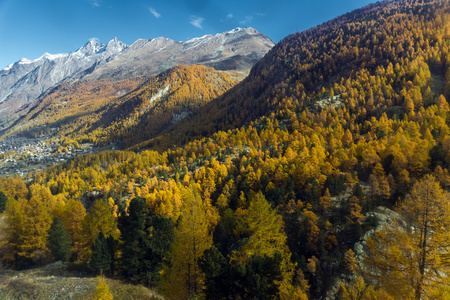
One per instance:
(322, 173)
(23, 82)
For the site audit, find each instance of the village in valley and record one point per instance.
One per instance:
(22, 156)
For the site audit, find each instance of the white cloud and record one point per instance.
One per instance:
(246, 20)
(95, 3)
(154, 12)
(196, 21)
(230, 16)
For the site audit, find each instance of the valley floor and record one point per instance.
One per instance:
(19, 155)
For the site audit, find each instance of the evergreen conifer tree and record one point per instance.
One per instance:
(59, 240)
(146, 240)
(3, 200)
(257, 279)
(101, 255)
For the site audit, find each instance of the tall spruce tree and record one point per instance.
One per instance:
(3, 200)
(146, 238)
(59, 240)
(218, 279)
(101, 255)
(257, 279)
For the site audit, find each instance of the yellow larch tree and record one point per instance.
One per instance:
(409, 258)
(347, 139)
(73, 214)
(27, 224)
(14, 217)
(266, 237)
(192, 237)
(99, 219)
(102, 290)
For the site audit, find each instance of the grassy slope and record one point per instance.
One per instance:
(55, 281)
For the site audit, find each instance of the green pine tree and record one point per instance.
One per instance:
(218, 282)
(146, 239)
(262, 276)
(101, 255)
(257, 279)
(59, 241)
(3, 200)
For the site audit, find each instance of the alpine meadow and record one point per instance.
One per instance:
(230, 167)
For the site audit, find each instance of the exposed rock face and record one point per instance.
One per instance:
(385, 217)
(239, 49)
(23, 82)
(27, 79)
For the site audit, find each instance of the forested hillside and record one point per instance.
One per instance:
(367, 56)
(159, 103)
(70, 106)
(125, 112)
(271, 188)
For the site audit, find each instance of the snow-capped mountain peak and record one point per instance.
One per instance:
(197, 39)
(91, 47)
(238, 31)
(139, 43)
(115, 46)
(24, 61)
(24, 81)
(235, 30)
(8, 67)
(49, 56)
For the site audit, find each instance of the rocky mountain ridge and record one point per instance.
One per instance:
(23, 82)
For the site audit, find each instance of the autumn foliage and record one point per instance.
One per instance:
(273, 183)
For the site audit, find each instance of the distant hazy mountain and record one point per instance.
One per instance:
(24, 81)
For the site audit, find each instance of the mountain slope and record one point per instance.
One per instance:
(129, 111)
(288, 173)
(23, 82)
(237, 49)
(26, 79)
(162, 102)
(307, 66)
(69, 106)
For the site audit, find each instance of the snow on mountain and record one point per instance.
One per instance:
(25, 61)
(8, 67)
(49, 56)
(115, 46)
(198, 39)
(91, 47)
(239, 48)
(24, 81)
(138, 44)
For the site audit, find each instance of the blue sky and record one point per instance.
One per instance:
(29, 28)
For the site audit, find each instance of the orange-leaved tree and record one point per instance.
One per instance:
(184, 278)
(410, 257)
